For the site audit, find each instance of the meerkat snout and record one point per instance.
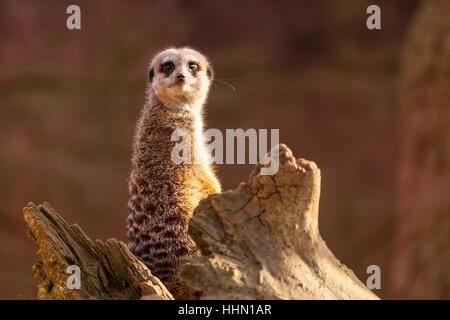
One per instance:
(181, 74)
(180, 77)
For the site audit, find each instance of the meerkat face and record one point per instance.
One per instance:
(181, 75)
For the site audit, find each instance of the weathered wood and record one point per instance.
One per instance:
(108, 269)
(262, 241)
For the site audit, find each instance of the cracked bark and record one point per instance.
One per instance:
(260, 241)
(108, 269)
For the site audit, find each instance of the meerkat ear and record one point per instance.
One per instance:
(210, 73)
(151, 74)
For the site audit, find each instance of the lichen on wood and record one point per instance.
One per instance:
(260, 241)
(108, 269)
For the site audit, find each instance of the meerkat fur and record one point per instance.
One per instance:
(163, 195)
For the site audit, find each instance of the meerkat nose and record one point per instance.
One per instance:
(180, 77)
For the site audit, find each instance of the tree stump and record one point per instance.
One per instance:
(260, 241)
(108, 269)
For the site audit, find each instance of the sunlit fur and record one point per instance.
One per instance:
(193, 92)
(163, 195)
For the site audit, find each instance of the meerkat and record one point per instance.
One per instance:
(163, 194)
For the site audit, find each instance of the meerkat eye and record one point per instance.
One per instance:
(168, 66)
(193, 66)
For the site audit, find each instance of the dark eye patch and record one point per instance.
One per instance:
(167, 68)
(193, 66)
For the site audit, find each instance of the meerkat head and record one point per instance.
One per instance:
(181, 75)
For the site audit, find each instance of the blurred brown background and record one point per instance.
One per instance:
(69, 101)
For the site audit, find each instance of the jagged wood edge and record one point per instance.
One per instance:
(241, 233)
(108, 269)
